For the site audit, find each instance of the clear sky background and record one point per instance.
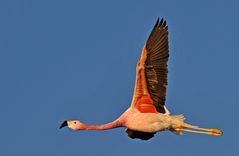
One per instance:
(74, 59)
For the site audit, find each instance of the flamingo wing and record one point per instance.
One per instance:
(151, 76)
(152, 72)
(156, 68)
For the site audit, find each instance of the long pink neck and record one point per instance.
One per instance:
(106, 126)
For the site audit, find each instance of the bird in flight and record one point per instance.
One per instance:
(147, 113)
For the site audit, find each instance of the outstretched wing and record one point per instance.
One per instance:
(156, 68)
(152, 70)
(151, 76)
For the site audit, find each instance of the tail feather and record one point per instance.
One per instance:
(179, 117)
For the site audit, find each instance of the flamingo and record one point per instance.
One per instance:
(147, 113)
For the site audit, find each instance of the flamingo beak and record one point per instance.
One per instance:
(64, 124)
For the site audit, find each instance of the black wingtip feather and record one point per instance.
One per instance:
(161, 22)
(156, 24)
(164, 23)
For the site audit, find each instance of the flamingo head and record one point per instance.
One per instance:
(72, 124)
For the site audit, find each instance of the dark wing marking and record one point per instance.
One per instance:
(156, 68)
(139, 135)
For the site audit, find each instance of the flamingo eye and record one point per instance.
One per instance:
(74, 122)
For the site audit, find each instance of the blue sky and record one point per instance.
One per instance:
(76, 60)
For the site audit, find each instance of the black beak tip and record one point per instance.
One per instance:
(64, 124)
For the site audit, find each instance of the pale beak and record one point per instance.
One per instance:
(64, 124)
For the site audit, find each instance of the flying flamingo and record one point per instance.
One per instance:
(147, 113)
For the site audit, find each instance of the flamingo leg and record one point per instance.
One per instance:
(195, 129)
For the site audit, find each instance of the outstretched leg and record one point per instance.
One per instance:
(195, 129)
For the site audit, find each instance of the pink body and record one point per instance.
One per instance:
(135, 120)
(145, 122)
